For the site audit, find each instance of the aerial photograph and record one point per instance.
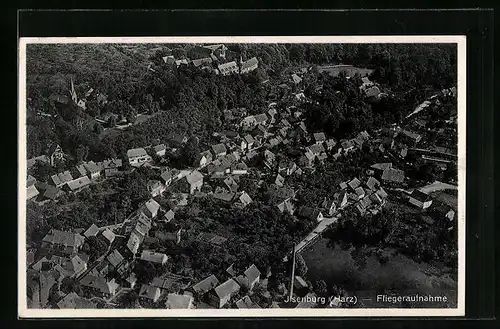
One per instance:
(241, 175)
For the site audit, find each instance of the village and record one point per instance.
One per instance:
(266, 153)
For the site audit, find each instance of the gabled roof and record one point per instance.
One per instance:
(154, 257)
(381, 166)
(319, 137)
(219, 148)
(245, 198)
(64, 238)
(296, 78)
(137, 152)
(206, 284)
(91, 231)
(152, 206)
(78, 183)
(115, 258)
(316, 149)
(260, 118)
(354, 183)
(176, 301)
(160, 147)
(73, 301)
(228, 287)
(31, 192)
(194, 177)
(91, 167)
(249, 139)
(372, 183)
(359, 191)
(149, 291)
(252, 273)
(249, 63)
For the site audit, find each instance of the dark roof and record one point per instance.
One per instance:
(419, 195)
(393, 175)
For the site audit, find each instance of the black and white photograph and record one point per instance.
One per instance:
(242, 176)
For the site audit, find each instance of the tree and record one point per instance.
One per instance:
(300, 263)
(321, 288)
(82, 152)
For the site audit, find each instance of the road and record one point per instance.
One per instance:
(437, 186)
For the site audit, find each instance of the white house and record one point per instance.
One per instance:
(138, 156)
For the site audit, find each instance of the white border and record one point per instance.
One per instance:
(24, 312)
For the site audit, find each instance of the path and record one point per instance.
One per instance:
(437, 186)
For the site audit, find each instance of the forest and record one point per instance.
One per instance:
(191, 101)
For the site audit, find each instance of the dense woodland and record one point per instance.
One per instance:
(189, 101)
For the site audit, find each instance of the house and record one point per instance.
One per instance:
(219, 150)
(203, 62)
(239, 169)
(245, 302)
(55, 154)
(58, 180)
(261, 119)
(260, 131)
(354, 183)
(311, 213)
(248, 141)
(244, 199)
(410, 137)
(347, 145)
(31, 192)
(169, 215)
(341, 199)
(137, 157)
(307, 160)
(330, 144)
(222, 294)
(62, 241)
(248, 123)
(192, 182)
(372, 183)
(381, 166)
(154, 257)
(288, 168)
(420, 199)
(280, 180)
(360, 192)
(92, 169)
(343, 185)
(296, 79)
(107, 236)
(249, 65)
(329, 206)
(75, 266)
(150, 292)
(228, 68)
(177, 139)
(76, 185)
(112, 167)
(180, 62)
(73, 301)
(286, 206)
(319, 137)
(203, 159)
(168, 59)
(231, 184)
(93, 230)
(167, 177)
(205, 285)
(51, 192)
(316, 149)
(155, 188)
(150, 208)
(176, 301)
(392, 175)
(226, 197)
(160, 150)
(269, 158)
(249, 278)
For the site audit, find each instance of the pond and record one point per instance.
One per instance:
(359, 272)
